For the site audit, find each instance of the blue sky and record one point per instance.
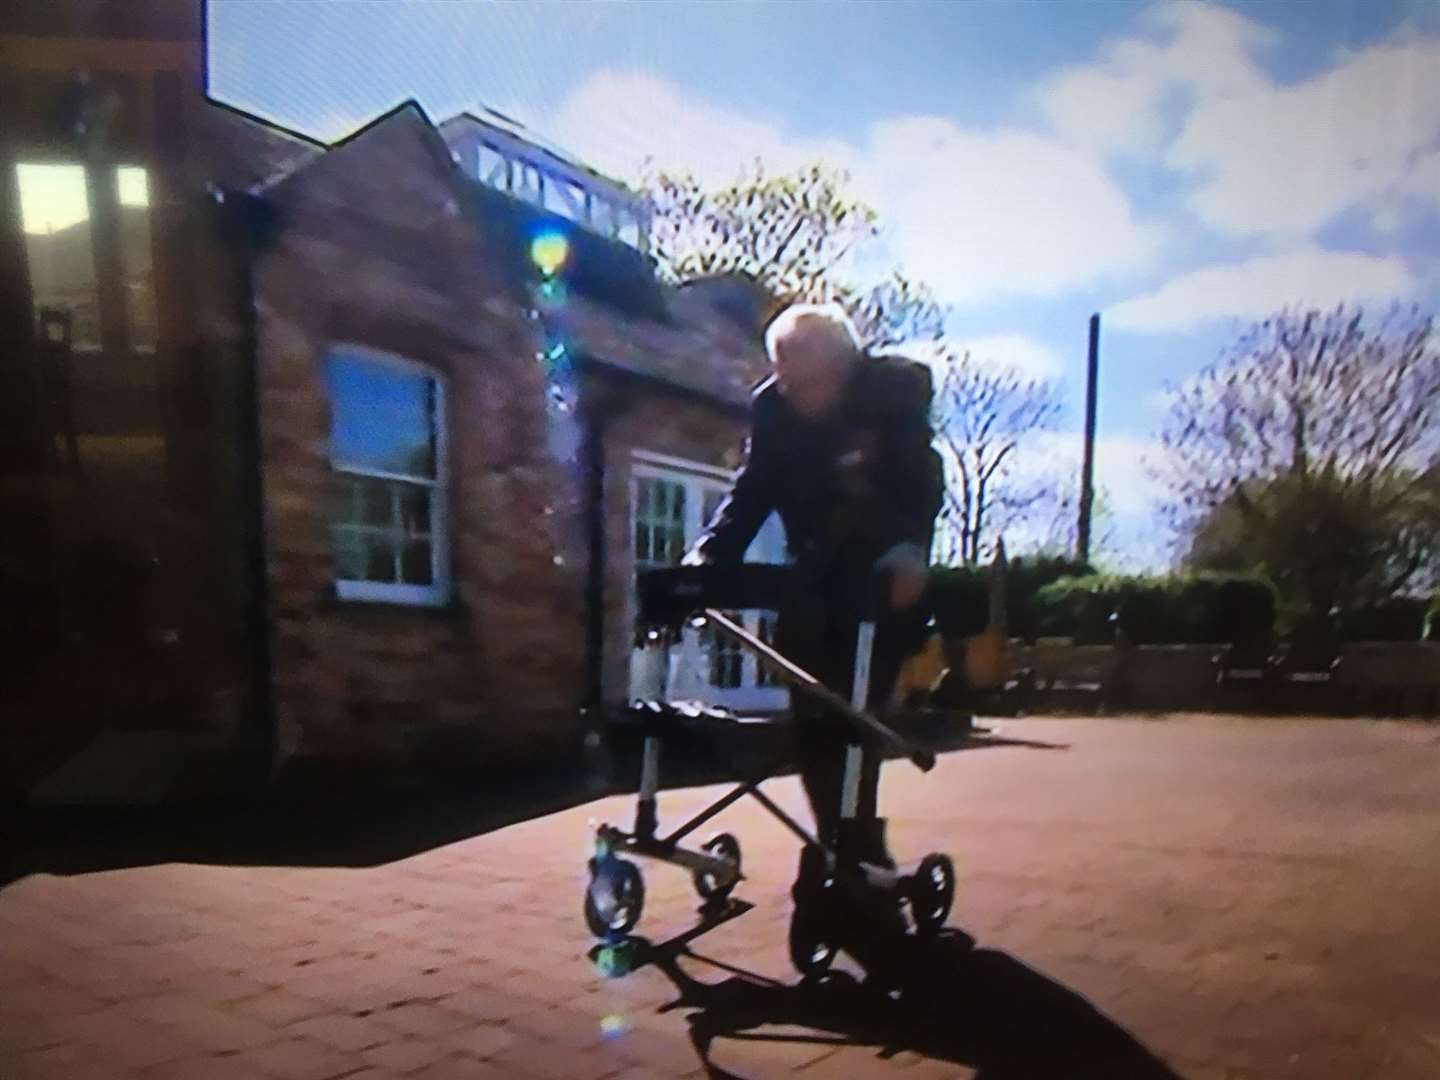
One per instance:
(1182, 168)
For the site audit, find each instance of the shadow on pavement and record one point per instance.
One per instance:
(322, 824)
(978, 1008)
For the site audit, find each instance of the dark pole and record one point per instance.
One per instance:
(1087, 469)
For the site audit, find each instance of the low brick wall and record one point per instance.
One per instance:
(1373, 678)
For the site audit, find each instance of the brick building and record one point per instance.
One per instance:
(299, 388)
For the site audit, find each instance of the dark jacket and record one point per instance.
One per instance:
(848, 488)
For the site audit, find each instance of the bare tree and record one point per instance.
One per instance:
(984, 414)
(794, 233)
(1309, 450)
(1057, 524)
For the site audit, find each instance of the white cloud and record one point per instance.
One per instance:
(1259, 286)
(1117, 102)
(1288, 160)
(616, 120)
(1122, 467)
(1265, 158)
(1033, 358)
(976, 214)
(979, 214)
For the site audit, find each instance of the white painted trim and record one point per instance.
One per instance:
(666, 461)
(687, 659)
(380, 592)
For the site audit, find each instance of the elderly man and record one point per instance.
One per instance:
(840, 449)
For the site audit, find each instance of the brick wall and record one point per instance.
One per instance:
(374, 250)
(1374, 678)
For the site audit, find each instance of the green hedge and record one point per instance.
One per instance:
(960, 595)
(1170, 610)
(1401, 618)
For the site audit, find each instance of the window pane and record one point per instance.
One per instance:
(383, 417)
(713, 498)
(415, 563)
(677, 503)
(764, 676)
(374, 501)
(660, 500)
(725, 658)
(642, 542)
(414, 509)
(55, 216)
(345, 502)
(642, 499)
(349, 555)
(379, 557)
(133, 195)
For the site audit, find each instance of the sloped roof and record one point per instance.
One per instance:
(618, 312)
(242, 150)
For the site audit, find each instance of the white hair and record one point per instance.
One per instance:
(827, 320)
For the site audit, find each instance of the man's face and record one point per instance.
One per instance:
(810, 373)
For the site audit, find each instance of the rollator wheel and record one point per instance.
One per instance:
(932, 891)
(811, 950)
(707, 884)
(615, 898)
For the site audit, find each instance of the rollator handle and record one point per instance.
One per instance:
(802, 680)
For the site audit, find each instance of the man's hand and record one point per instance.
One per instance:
(908, 575)
(693, 557)
(907, 585)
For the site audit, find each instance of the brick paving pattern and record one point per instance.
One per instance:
(1202, 897)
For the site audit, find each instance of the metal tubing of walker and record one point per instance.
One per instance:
(803, 680)
(785, 819)
(859, 698)
(675, 856)
(708, 813)
(864, 649)
(645, 814)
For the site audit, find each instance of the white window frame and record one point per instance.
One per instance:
(688, 674)
(437, 593)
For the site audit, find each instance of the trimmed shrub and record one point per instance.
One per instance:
(1236, 609)
(1401, 618)
(1165, 610)
(1026, 615)
(1059, 598)
(960, 600)
(1076, 607)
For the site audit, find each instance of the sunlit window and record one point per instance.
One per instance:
(387, 447)
(132, 184)
(59, 251)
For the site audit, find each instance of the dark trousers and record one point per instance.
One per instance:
(818, 630)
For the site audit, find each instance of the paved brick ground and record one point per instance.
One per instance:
(1231, 898)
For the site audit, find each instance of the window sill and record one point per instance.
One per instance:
(452, 610)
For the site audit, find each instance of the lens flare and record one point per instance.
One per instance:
(551, 293)
(614, 963)
(549, 250)
(613, 1026)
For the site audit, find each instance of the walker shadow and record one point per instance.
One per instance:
(977, 1008)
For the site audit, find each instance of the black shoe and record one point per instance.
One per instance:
(863, 839)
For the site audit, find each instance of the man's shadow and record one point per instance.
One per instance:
(978, 1008)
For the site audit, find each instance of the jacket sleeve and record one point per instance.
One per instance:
(737, 519)
(906, 499)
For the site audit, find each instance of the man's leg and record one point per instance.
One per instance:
(893, 635)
